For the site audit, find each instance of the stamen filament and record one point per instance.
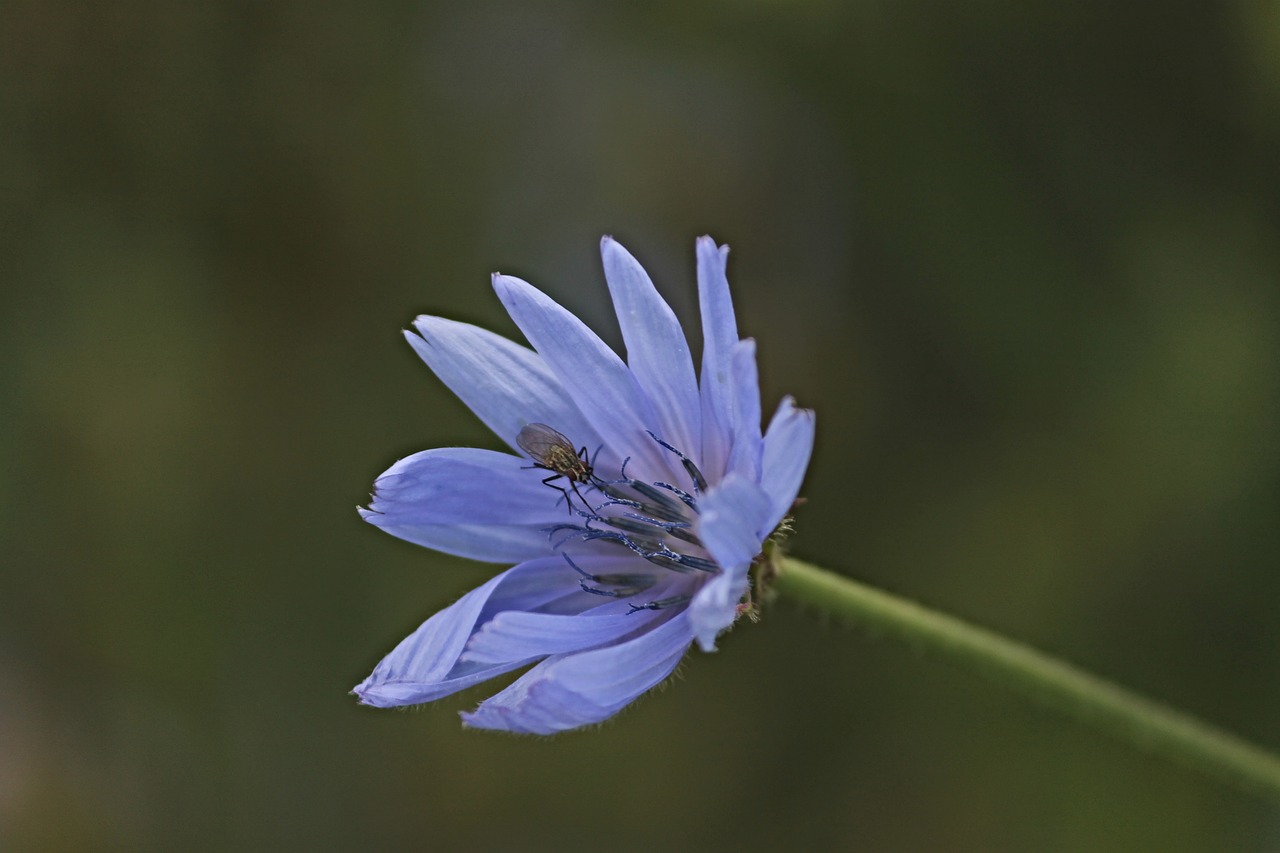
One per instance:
(660, 603)
(630, 584)
(699, 481)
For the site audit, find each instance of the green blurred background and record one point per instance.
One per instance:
(1022, 258)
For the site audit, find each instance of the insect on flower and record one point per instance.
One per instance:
(685, 489)
(551, 451)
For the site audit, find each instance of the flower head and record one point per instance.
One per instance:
(633, 505)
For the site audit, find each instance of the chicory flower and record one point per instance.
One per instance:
(637, 496)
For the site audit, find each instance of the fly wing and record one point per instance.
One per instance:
(539, 440)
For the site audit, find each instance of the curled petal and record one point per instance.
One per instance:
(426, 665)
(420, 668)
(513, 635)
(569, 691)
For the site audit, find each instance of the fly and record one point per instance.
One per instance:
(551, 451)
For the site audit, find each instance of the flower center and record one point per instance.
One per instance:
(652, 519)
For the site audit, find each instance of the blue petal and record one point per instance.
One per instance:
(719, 334)
(601, 385)
(657, 351)
(732, 515)
(570, 691)
(419, 668)
(474, 503)
(485, 542)
(513, 635)
(787, 447)
(505, 384)
(449, 485)
(590, 620)
(425, 665)
(748, 447)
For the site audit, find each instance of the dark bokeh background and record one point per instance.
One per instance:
(1022, 258)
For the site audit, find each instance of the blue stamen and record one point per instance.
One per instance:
(653, 518)
(630, 584)
(659, 554)
(659, 604)
(607, 593)
(697, 563)
(621, 539)
(621, 502)
(631, 525)
(664, 504)
(668, 563)
(661, 503)
(644, 525)
(665, 525)
(578, 531)
(680, 562)
(681, 494)
(699, 481)
(556, 528)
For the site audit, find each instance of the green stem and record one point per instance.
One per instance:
(1141, 722)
